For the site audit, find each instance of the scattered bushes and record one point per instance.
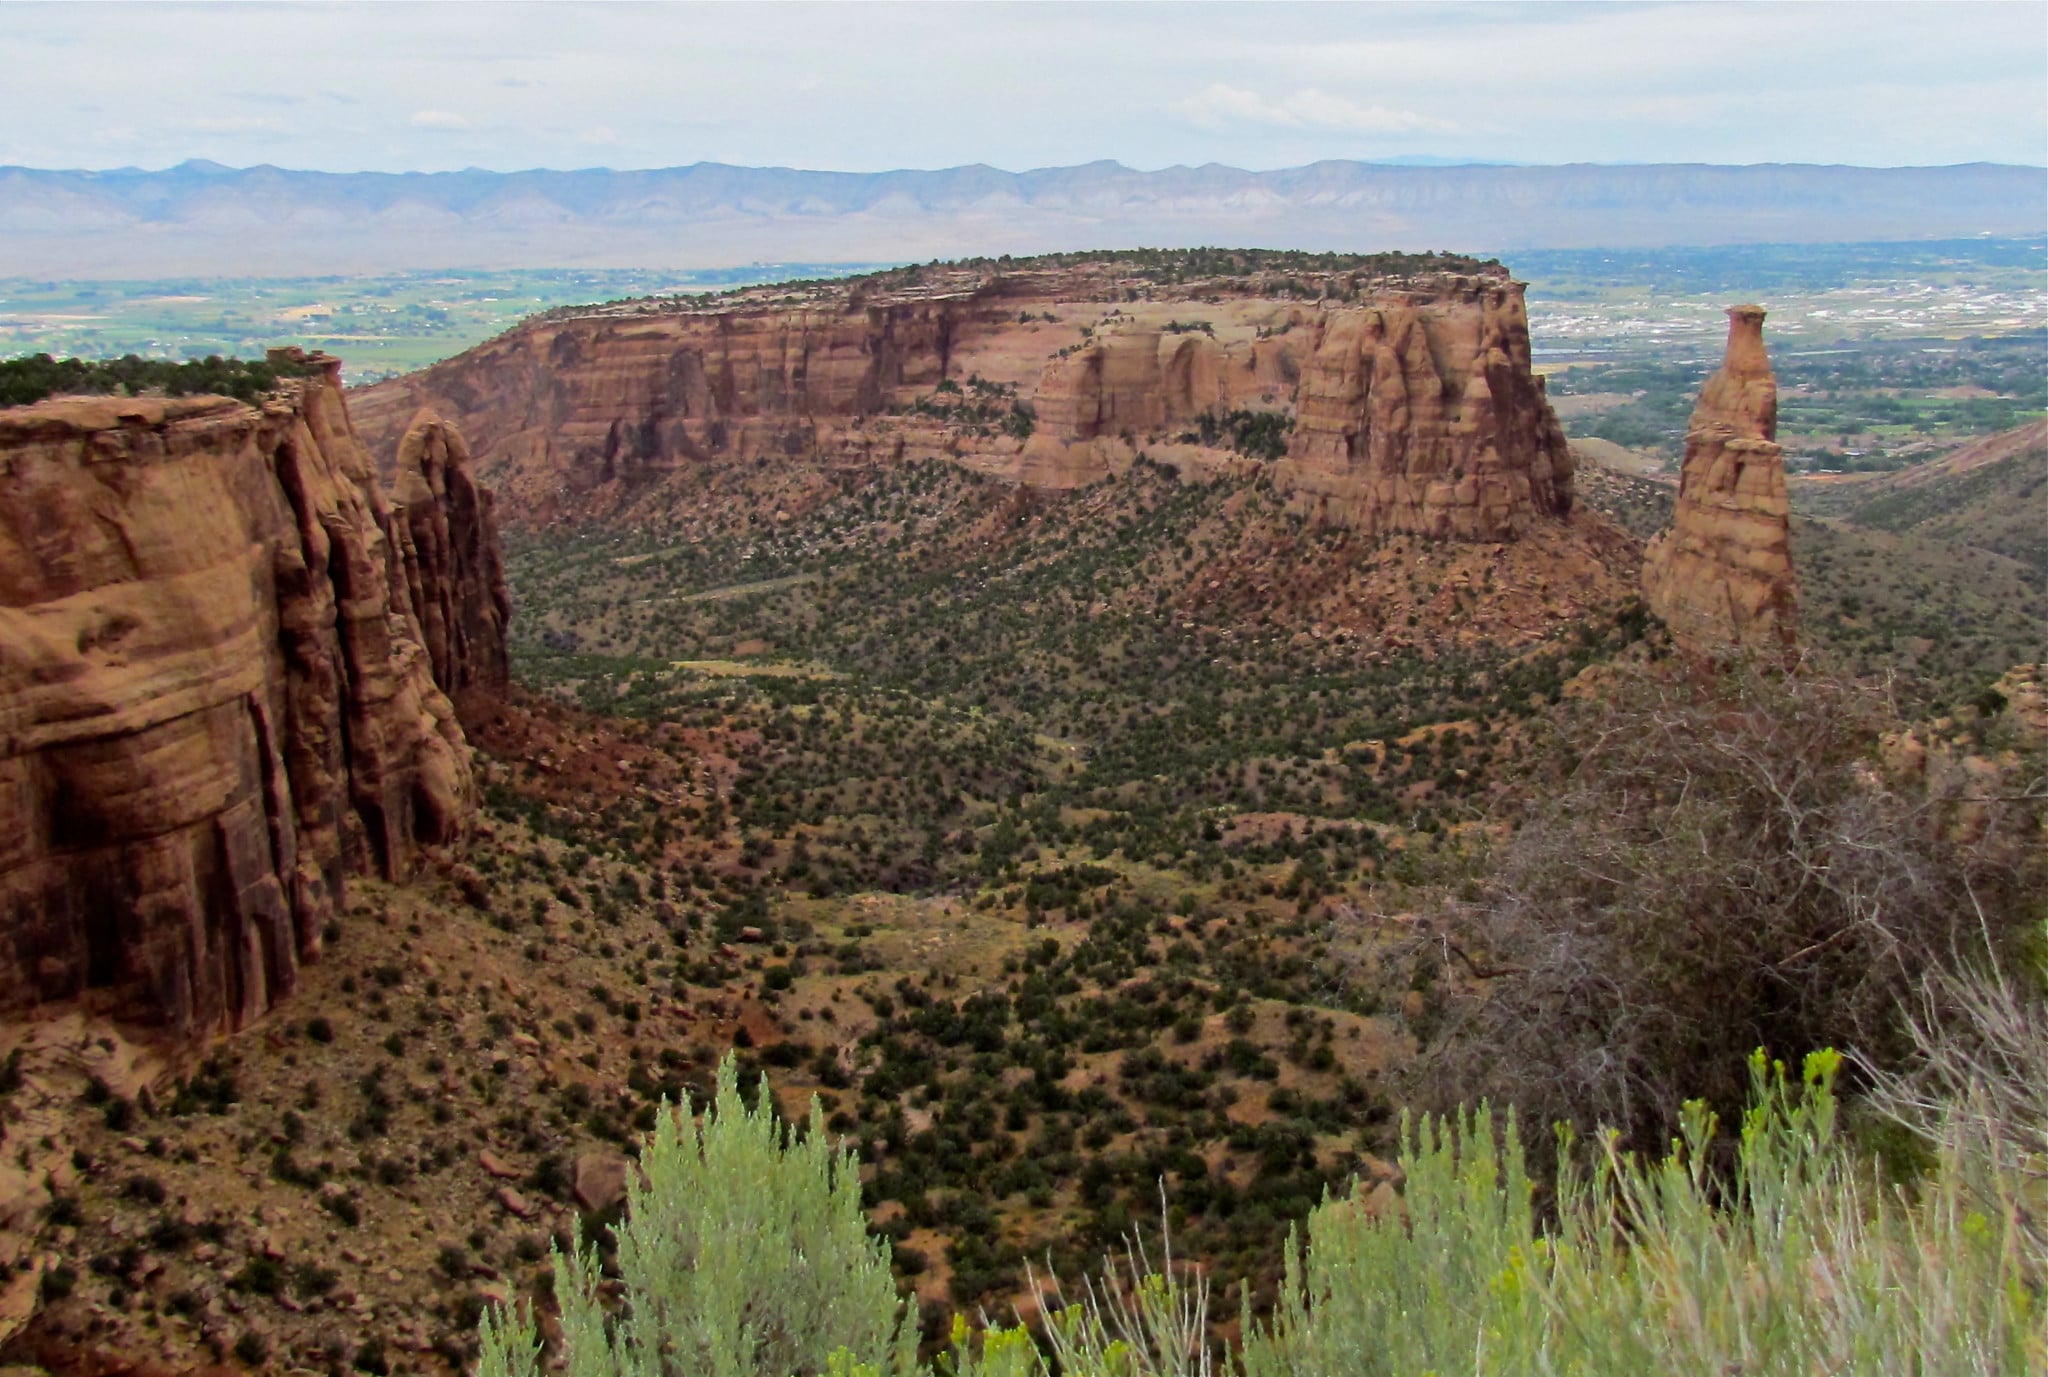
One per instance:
(1792, 1260)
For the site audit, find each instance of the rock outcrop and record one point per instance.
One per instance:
(219, 690)
(1415, 406)
(1420, 414)
(1721, 577)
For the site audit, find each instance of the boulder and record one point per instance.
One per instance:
(513, 1203)
(598, 1180)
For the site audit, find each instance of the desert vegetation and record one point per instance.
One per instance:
(1931, 590)
(1789, 1257)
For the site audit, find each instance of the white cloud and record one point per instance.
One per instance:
(1255, 85)
(601, 134)
(234, 124)
(1218, 106)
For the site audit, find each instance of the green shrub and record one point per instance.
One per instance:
(1795, 1260)
(744, 1251)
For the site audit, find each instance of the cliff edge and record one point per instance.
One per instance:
(226, 662)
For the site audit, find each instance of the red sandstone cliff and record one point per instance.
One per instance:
(225, 660)
(1722, 575)
(1420, 414)
(1415, 405)
(455, 578)
(558, 409)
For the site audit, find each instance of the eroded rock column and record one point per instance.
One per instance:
(1721, 577)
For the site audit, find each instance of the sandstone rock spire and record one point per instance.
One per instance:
(1721, 577)
(455, 577)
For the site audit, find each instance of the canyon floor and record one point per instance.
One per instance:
(1066, 846)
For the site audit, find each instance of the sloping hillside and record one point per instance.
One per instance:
(1990, 495)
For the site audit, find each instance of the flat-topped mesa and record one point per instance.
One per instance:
(1419, 413)
(1408, 375)
(217, 699)
(1722, 576)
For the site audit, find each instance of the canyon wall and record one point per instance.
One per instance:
(1136, 382)
(1722, 577)
(455, 578)
(225, 667)
(560, 409)
(1411, 394)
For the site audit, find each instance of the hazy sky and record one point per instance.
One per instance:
(858, 87)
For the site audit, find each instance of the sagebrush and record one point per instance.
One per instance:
(741, 1254)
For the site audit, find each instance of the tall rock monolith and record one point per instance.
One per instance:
(1721, 577)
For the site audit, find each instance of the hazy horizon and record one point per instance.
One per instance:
(1424, 162)
(351, 87)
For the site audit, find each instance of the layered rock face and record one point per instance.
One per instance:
(1721, 577)
(219, 693)
(1415, 406)
(1132, 383)
(1420, 414)
(571, 406)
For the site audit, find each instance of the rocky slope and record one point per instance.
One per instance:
(1405, 381)
(1722, 575)
(1986, 495)
(225, 667)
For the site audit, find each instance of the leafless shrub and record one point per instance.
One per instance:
(1976, 1077)
(1710, 866)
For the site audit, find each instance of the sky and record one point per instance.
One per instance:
(350, 86)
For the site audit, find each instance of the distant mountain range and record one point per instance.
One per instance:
(202, 218)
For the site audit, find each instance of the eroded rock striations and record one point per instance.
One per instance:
(455, 578)
(224, 671)
(1410, 390)
(1721, 577)
(1420, 414)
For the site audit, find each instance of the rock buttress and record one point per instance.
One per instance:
(1721, 577)
(1419, 413)
(455, 576)
(216, 699)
